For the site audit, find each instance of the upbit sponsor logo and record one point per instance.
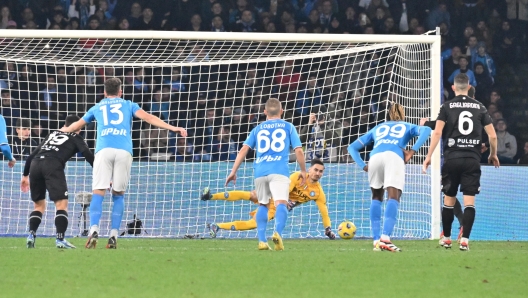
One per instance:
(268, 158)
(113, 131)
(385, 141)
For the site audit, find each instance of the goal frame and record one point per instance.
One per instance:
(435, 70)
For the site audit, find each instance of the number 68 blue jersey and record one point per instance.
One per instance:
(114, 123)
(389, 136)
(272, 140)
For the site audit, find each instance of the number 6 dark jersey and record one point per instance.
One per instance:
(61, 146)
(464, 119)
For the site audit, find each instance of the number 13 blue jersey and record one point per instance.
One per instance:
(114, 123)
(272, 140)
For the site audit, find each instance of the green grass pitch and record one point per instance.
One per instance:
(235, 268)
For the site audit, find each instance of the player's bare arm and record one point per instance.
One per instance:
(302, 164)
(408, 154)
(24, 182)
(492, 135)
(238, 161)
(75, 126)
(435, 139)
(156, 121)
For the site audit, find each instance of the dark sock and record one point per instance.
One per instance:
(459, 213)
(35, 218)
(447, 219)
(61, 223)
(469, 219)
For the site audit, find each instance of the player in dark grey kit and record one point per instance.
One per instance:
(457, 209)
(461, 120)
(44, 170)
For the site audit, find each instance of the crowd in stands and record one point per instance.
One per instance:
(479, 38)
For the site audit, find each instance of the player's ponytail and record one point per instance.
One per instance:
(396, 112)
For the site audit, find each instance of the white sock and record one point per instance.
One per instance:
(385, 237)
(114, 233)
(94, 228)
(464, 240)
(375, 242)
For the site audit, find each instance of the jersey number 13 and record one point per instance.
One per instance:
(114, 109)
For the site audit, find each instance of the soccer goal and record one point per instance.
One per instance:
(333, 88)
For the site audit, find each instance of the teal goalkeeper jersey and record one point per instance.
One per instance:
(114, 123)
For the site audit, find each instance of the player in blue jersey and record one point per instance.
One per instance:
(272, 140)
(113, 154)
(386, 169)
(4, 144)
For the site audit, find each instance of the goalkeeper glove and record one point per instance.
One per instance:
(329, 233)
(291, 204)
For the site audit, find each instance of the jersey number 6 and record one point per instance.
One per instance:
(464, 117)
(276, 143)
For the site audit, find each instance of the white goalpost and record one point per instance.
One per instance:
(215, 85)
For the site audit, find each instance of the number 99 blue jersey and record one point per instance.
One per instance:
(390, 136)
(272, 140)
(114, 123)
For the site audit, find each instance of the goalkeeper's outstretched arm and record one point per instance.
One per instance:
(323, 210)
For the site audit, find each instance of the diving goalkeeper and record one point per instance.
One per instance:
(312, 191)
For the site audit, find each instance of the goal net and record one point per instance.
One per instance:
(333, 89)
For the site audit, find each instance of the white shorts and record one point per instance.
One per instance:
(272, 186)
(112, 165)
(386, 169)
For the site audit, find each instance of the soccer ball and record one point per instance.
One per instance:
(346, 230)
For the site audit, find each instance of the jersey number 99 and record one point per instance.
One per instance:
(276, 143)
(396, 131)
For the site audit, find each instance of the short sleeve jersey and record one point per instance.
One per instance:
(464, 119)
(61, 146)
(114, 123)
(390, 136)
(272, 140)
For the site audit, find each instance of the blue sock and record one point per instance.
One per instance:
(281, 215)
(117, 211)
(262, 222)
(375, 219)
(96, 209)
(391, 212)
